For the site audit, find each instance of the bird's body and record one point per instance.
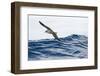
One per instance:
(50, 31)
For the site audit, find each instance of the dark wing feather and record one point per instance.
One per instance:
(53, 33)
(45, 26)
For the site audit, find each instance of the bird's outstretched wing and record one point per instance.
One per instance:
(45, 26)
(53, 33)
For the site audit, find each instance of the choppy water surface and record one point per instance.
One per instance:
(70, 47)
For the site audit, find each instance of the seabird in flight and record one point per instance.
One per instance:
(50, 31)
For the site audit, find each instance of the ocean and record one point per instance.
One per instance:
(71, 47)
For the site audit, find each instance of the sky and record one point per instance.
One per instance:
(63, 25)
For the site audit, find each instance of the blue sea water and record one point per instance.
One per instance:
(70, 47)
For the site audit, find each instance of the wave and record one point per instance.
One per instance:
(70, 47)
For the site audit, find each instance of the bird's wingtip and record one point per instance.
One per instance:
(39, 21)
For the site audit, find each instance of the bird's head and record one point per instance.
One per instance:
(48, 31)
